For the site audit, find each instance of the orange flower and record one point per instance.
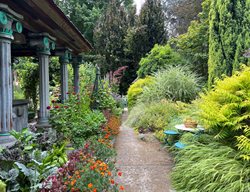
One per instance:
(90, 185)
(112, 181)
(109, 173)
(119, 173)
(94, 190)
(73, 182)
(121, 188)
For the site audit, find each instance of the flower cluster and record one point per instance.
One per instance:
(113, 125)
(83, 172)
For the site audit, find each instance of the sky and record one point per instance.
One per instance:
(139, 4)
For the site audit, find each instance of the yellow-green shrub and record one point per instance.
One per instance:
(225, 111)
(2, 186)
(136, 89)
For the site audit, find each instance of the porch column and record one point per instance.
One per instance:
(44, 43)
(64, 57)
(8, 23)
(76, 65)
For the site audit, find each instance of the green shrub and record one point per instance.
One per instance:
(159, 57)
(136, 89)
(225, 111)
(2, 186)
(210, 168)
(75, 121)
(175, 83)
(153, 116)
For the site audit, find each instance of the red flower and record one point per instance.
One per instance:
(86, 146)
(121, 188)
(119, 173)
(48, 107)
(53, 101)
(57, 107)
(112, 181)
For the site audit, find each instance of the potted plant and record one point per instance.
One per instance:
(189, 122)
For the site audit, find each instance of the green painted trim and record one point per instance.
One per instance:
(3, 18)
(52, 45)
(19, 27)
(46, 41)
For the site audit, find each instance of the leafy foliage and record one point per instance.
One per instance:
(193, 45)
(174, 83)
(2, 186)
(160, 57)
(153, 116)
(210, 167)
(136, 89)
(26, 164)
(225, 111)
(229, 37)
(28, 73)
(75, 121)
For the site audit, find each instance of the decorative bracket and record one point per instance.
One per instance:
(43, 42)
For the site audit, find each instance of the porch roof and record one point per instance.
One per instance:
(44, 16)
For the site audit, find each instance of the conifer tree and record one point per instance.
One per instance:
(229, 36)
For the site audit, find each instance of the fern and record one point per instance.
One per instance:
(225, 110)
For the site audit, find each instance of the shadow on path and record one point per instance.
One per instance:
(145, 165)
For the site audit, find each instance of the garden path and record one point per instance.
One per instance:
(145, 164)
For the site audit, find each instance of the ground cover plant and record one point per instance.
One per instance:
(208, 167)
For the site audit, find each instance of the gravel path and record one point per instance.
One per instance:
(145, 165)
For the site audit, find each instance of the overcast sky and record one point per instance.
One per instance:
(139, 4)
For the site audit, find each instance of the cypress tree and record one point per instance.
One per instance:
(228, 36)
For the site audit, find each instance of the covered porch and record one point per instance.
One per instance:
(38, 29)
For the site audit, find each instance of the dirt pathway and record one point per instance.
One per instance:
(144, 164)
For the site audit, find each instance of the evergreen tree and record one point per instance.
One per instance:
(83, 13)
(229, 36)
(141, 38)
(193, 45)
(109, 36)
(152, 16)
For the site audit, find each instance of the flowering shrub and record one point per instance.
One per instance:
(74, 120)
(85, 171)
(113, 125)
